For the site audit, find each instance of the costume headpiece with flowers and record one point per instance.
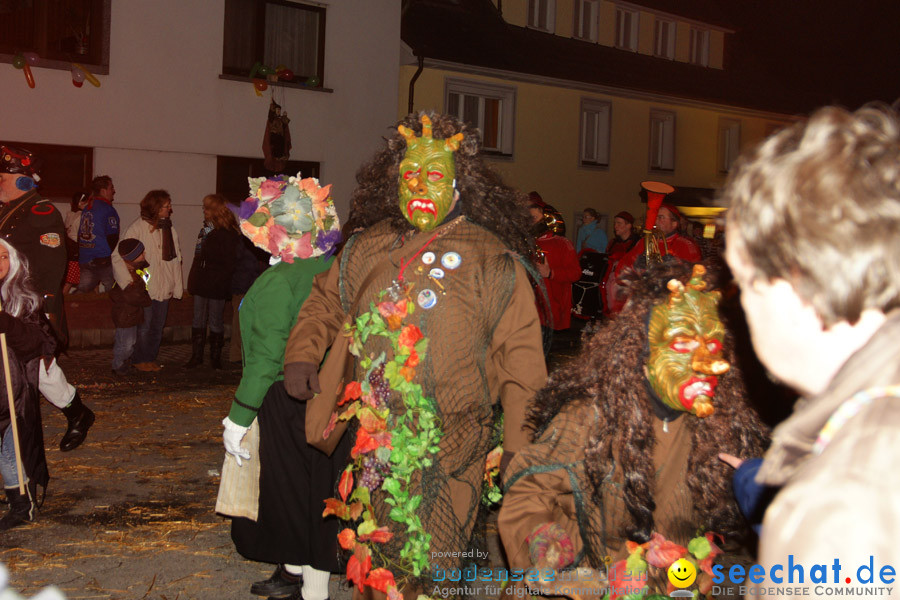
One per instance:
(290, 217)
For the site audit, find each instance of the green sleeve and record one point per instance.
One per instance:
(266, 316)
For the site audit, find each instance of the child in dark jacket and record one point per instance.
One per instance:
(128, 304)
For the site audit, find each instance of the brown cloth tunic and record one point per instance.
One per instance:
(484, 345)
(547, 483)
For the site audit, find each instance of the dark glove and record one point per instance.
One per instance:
(301, 380)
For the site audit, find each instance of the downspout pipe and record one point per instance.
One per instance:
(412, 82)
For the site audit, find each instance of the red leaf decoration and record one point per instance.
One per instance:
(661, 552)
(345, 485)
(357, 571)
(351, 392)
(381, 580)
(332, 423)
(409, 335)
(619, 578)
(380, 535)
(413, 360)
(335, 507)
(364, 443)
(706, 564)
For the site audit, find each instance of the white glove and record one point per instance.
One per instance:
(233, 435)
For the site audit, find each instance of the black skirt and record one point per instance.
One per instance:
(295, 479)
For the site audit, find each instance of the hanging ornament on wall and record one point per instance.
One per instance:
(277, 139)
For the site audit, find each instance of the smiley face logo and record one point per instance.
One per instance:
(682, 573)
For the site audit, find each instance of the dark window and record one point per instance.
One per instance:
(65, 31)
(64, 170)
(276, 34)
(232, 173)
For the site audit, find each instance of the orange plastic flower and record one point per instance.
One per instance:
(413, 360)
(347, 539)
(407, 373)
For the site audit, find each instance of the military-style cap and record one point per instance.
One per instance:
(19, 161)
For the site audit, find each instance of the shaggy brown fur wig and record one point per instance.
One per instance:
(483, 197)
(609, 370)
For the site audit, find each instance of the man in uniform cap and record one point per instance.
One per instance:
(35, 228)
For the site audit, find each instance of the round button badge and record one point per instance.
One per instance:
(428, 258)
(427, 299)
(451, 260)
(436, 273)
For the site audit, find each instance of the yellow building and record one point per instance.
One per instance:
(581, 100)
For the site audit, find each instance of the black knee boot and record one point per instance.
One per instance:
(198, 339)
(22, 507)
(216, 341)
(80, 419)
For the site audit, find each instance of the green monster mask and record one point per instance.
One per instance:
(427, 177)
(685, 338)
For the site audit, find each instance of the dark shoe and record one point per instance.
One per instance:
(216, 341)
(80, 419)
(22, 507)
(280, 585)
(198, 340)
(297, 595)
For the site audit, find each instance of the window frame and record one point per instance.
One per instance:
(507, 113)
(598, 107)
(665, 122)
(97, 58)
(259, 40)
(669, 52)
(593, 28)
(632, 37)
(549, 14)
(53, 185)
(227, 166)
(700, 39)
(728, 143)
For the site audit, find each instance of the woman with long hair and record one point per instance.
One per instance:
(210, 278)
(28, 338)
(154, 230)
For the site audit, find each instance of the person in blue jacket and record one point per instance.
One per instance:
(590, 235)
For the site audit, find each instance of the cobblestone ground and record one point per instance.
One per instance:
(130, 514)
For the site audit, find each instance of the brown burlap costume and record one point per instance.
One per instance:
(610, 463)
(484, 345)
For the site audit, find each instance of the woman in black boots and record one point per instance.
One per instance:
(210, 278)
(27, 338)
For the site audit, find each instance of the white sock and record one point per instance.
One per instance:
(294, 569)
(315, 584)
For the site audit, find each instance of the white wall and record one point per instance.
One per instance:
(162, 114)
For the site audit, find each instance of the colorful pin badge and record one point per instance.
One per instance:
(428, 258)
(436, 273)
(451, 260)
(427, 299)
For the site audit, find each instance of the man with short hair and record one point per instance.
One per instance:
(822, 304)
(98, 236)
(35, 228)
(668, 222)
